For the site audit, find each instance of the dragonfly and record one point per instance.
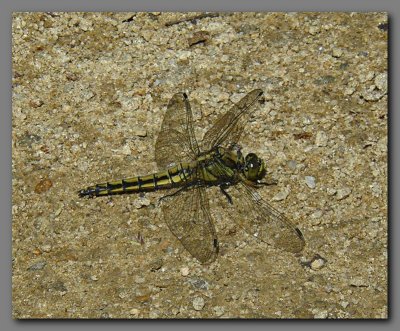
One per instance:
(188, 169)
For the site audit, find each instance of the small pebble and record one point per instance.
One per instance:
(156, 264)
(139, 132)
(331, 191)
(280, 196)
(58, 211)
(134, 312)
(292, 164)
(36, 103)
(198, 303)
(219, 311)
(321, 139)
(185, 271)
(37, 266)
(343, 193)
(349, 90)
(310, 181)
(199, 284)
(46, 248)
(153, 314)
(139, 280)
(126, 150)
(337, 52)
(314, 30)
(320, 313)
(317, 264)
(59, 286)
(381, 81)
(302, 196)
(357, 282)
(141, 202)
(198, 37)
(43, 186)
(317, 214)
(371, 93)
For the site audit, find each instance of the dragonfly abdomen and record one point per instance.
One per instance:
(172, 177)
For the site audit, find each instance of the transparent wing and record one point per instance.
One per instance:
(187, 215)
(261, 220)
(229, 127)
(176, 140)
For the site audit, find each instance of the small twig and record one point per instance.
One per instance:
(191, 19)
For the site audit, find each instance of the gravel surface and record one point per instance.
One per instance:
(89, 94)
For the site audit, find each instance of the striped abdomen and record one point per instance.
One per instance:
(172, 177)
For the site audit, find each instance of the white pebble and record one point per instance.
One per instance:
(134, 312)
(310, 181)
(219, 311)
(185, 271)
(198, 303)
(317, 264)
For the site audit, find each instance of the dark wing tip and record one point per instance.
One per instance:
(254, 95)
(211, 256)
(301, 242)
(299, 233)
(260, 92)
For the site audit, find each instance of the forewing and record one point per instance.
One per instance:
(187, 215)
(176, 141)
(261, 220)
(229, 127)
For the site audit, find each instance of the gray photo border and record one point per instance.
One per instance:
(8, 6)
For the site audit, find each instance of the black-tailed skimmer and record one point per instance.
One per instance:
(188, 171)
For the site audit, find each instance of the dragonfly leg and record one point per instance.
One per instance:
(267, 182)
(174, 193)
(223, 187)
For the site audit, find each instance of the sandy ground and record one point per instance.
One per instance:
(89, 94)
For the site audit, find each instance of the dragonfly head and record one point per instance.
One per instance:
(254, 168)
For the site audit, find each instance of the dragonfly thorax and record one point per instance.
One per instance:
(252, 167)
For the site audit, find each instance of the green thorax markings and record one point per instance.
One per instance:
(212, 168)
